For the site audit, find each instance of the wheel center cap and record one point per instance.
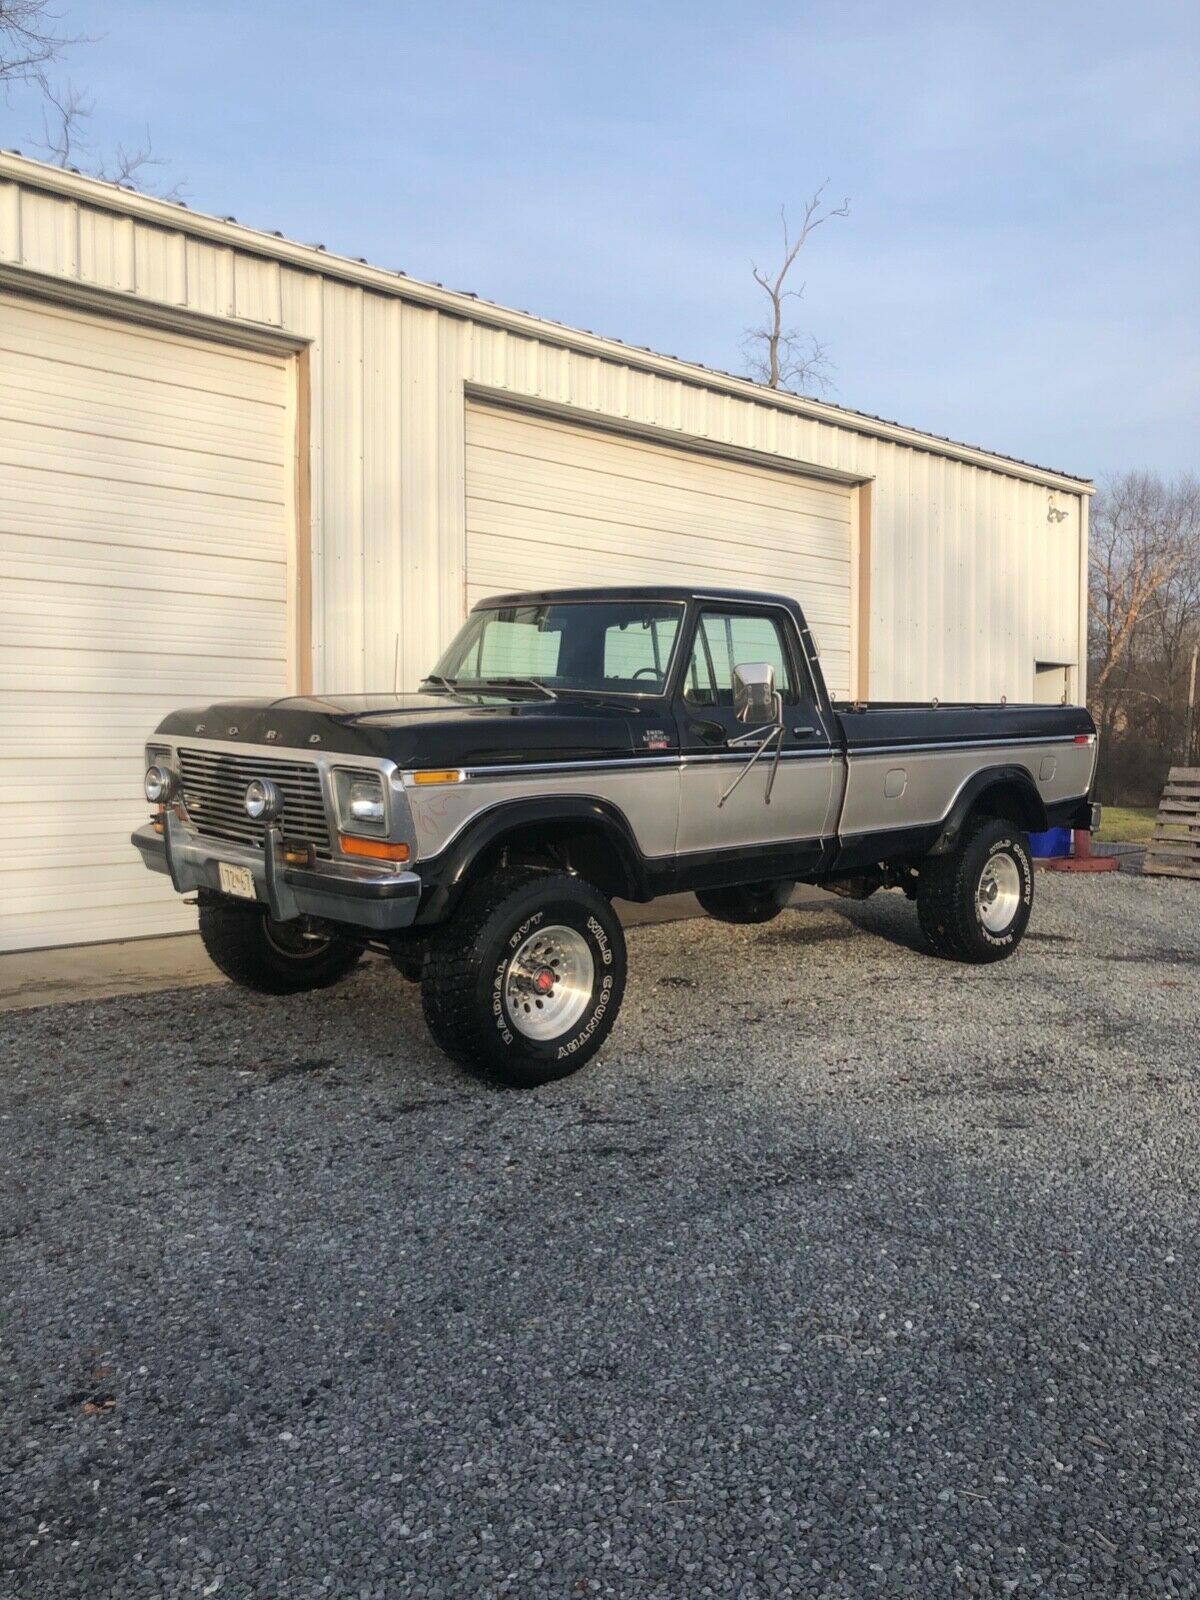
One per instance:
(543, 980)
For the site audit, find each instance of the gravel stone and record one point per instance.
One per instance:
(841, 1272)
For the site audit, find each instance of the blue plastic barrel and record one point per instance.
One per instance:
(1054, 842)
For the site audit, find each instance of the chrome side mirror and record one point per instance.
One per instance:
(754, 697)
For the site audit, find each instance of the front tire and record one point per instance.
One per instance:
(526, 980)
(746, 902)
(270, 957)
(974, 904)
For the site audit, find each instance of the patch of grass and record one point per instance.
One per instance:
(1127, 824)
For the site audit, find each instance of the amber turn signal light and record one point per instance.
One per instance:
(439, 775)
(372, 849)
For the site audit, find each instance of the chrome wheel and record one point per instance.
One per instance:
(548, 983)
(999, 893)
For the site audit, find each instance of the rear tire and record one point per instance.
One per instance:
(270, 957)
(526, 980)
(747, 902)
(974, 904)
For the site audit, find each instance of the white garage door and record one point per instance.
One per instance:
(551, 504)
(145, 513)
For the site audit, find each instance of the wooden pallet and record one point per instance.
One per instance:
(1174, 851)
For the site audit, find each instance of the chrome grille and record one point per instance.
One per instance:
(214, 787)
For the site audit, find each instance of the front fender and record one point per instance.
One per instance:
(447, 874)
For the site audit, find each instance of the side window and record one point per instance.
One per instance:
(725, 640)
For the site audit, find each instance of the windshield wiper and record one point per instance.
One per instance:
(517, 683)
(437, 677)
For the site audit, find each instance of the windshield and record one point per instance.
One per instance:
(599, 647)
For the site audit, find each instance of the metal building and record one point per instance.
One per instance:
(230, 463)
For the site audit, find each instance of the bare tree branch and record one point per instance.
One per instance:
(30, 39)
(778, 357)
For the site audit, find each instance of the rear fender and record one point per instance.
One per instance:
(1007, 792)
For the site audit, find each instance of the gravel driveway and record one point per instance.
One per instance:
(841, 1272)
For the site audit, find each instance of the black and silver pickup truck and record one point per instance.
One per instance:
(575, 747)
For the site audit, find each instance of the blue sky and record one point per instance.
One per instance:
(1021, 267)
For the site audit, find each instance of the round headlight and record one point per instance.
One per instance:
(262, 800)
(160, 785)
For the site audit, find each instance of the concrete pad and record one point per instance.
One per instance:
(98, 971)
(30, 978)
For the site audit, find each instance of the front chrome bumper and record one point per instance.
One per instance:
(363, 897)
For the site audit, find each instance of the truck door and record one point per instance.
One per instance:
(725, 636)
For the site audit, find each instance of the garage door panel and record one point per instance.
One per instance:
(25, 558)
(108, 618)
(83, 455)
(144, 526)
(142, 515)
(672, 519)
(665, 503)
(34, 715)
(52, 335)
(111, 405)
(507, 569)
(187, 679)
(501, 439)
(491, 523)
(562, 504)
(33, 831)
(157, 913)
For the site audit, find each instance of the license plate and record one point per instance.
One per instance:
(236, 880)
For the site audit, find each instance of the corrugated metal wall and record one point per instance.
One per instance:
(971, 581)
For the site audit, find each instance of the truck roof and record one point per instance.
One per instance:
(637, 591)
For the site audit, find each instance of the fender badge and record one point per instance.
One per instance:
(233, 731)
(271, 734)
(314, 738)
(199, 727)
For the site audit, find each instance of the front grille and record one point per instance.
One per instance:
(214, 788)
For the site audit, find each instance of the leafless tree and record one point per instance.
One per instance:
(30, 40)
(1144, 606)
(780, 357)
(65, 141)
(1143, 531)
(31, 43)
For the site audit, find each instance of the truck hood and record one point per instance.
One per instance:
(435, 728)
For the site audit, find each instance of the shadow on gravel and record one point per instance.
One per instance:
(888, 916)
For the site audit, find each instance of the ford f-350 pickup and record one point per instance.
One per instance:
(571, 748)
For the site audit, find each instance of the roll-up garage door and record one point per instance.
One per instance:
(552, 503)
(145, 524)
